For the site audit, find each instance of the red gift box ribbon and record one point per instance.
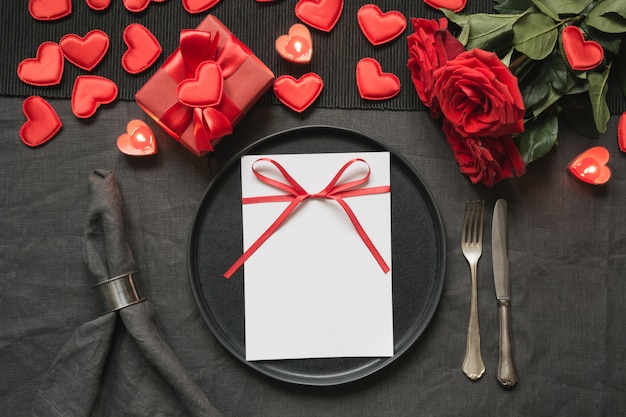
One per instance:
(209, 123)
(296, 194)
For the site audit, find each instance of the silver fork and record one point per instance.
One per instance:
(472, 246)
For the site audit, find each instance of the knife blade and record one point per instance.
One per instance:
(507, 375)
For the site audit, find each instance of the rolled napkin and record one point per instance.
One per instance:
(109, 366)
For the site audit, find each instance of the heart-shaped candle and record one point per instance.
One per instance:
(138, 140)
(581, 54)
(297, 46)
(590, 166)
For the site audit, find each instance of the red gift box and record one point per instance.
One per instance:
(205, 87)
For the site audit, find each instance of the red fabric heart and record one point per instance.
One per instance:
(85, 52)
(138, 139)
(320, 14)
(621, 132)
(143, 48)
(42, 122)
(298, 94)
(49, 9)
(90, 91)
(98, 4)
(45, 69)
(379, 27)
(137, 6)
(297, 46)
(454, 5)
(373, 83)
(590, 166)
(582, 55)
(199, 6)
(205, 89)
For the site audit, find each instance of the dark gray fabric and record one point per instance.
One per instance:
(72, 387)
(567, 252)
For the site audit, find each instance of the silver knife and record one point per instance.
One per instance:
(506, 369)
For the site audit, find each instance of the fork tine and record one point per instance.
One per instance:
(466, 222)
(480, 219)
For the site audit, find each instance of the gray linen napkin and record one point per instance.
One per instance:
(109, 366)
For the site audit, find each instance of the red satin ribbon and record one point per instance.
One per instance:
(196, 47)
(296, 195)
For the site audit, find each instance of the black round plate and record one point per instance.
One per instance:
(418, 256)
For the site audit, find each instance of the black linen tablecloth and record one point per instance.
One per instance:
(567, 245)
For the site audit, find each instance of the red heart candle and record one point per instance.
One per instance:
(138, 140)
(590, 166)
(297, 45)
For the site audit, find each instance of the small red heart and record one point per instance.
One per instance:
(49, 9)
(143, 48)
(136, 6)
(205, 89)
(582, 55)
(46, 69)
(85, 52)
(379, 27)
(138, 140)
(320, 14)
(373, 83)
(90, 91)
(590, 166)
(42, 122)
(454, 5)
(98, 4)
(297, 46)
(298, 94)
(621, 132)
(199, 6)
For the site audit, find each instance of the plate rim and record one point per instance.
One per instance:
(376, 364)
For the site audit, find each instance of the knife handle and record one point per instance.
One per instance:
(506, 369)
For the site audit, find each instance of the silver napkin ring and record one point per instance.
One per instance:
(118, 292)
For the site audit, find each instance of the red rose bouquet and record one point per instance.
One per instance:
(502, 85)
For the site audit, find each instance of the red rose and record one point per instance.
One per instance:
(430, 47)
(479, 96)
(487, 160)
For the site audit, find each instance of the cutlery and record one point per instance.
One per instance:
(506, 369)
(471, 245)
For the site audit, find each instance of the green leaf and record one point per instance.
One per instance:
(491, 32)
(540, 135)
(546, 8)
(512, 6)
(535, 35)
(608, 16)
(598, 87)
(562, 7)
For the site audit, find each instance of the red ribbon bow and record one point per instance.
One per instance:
(296, 195)
(209, 123)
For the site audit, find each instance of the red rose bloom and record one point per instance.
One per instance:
(479, 96)
(487, 160)
(430, 47)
